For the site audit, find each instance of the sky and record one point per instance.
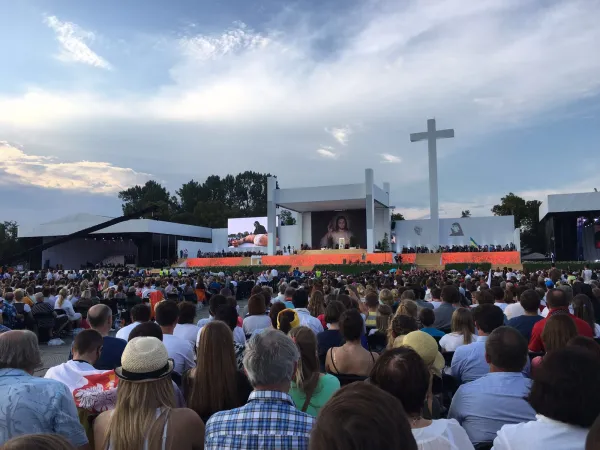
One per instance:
(96, 97)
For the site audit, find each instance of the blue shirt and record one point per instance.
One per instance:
(112, 350)
(524, 324)
(469, 364)
(483, 406)
(37, 405)
(269, 420)
(9, 315)
(433, 332)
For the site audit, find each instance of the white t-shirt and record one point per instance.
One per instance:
(187, 331)
(587, 276)
(238, 333)
(514, 310)
(451, 341)
(181, 351)
(501, 305)
(124, 332)
(442, 434)
(254, 323)
(436, 304)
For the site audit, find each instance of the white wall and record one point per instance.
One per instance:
(290, 235)
(380, 224)
(494, 230)
(219, 239)
(192, 247)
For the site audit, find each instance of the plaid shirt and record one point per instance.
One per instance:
(269, 420)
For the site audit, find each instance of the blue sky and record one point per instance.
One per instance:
(98, 96)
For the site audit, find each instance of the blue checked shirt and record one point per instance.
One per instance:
(269, 420)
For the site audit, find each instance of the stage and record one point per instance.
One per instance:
(306, 260)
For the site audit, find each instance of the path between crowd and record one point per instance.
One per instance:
(55, 355)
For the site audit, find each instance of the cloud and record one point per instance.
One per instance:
(340, 134)
(18, 167)
(327, 152)
(390, 159)
(72, 40)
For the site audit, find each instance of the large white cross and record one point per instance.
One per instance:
(432, 135)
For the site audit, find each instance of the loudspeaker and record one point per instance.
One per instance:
(393, 225)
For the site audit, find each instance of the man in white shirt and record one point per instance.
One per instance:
(587, 275)
(274, 273)
(436, 301)
(300, 301)
(216, 301)
(139, 314)
(180, 350)
(281, 296)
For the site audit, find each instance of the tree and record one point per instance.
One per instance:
(9, 243)
(385, 243)
(397, 216)
(466, 213)
(151, 194)
(526, 218)
(285, 218)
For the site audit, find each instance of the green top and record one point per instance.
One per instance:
(328, 384)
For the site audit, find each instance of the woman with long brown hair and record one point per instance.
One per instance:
(558, 331)
(310, 388)
(463, 330)
(145, 416)
(583, 308)
(215, 384)
(316, 304)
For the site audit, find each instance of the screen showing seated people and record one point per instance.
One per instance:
(247, 232)
(330, 229)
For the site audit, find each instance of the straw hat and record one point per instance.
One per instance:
(426, 346)
(144, 359)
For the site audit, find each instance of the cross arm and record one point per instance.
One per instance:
(414, 137)
(441, 134)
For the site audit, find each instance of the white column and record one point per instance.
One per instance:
(387, 217)
(433, 181)
(370, 207)
(271, 215)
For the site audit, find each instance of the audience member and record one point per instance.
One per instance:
(41, 441)
(462, 331)
(585, 342)
(469, 362)
(300, 301)
(559, 330)
(287, 320)
(100, 319)
(400, 326)
(443, 313)
(270, 362)
(497, 398)
(331, 336)
(186, 327)
(351, 358)
(257, 318)
(140, 313)
(557, 301)
(362, 416)
(372, 302)
(310, 389)
(228, 315)
(180, 350)
(215, 384)
(146, 329)
(592, 442)
(499, 297)
(583, 309)
(32, 404)
(404, 374)
(530, 303)
(566, 401)
(427, 318)
(146, 409)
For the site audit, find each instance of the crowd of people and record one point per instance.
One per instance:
(223, 254)
(460, 249)
(428, 360)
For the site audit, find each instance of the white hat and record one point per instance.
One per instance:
(144, 359)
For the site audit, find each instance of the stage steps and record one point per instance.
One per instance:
(429, 260)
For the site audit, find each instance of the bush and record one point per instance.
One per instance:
(461, 267)
(533, 266)
(355, 269)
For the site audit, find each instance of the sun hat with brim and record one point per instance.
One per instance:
(427, 348)
(144, 359)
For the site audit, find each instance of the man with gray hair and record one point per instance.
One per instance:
(31, 404)
(270, 419)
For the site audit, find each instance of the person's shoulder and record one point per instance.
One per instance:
(186, 417)
(330, 381)
(114, 341)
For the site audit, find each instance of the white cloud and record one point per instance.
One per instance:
(327, 152)
(72, 40)
(341, 134)
(17, 167)
(391, 159)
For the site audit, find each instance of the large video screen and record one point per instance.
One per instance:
(247, 232)
(328, 227)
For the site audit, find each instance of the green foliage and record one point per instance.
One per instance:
(533, 266)
(9, 243)
(527, 217)
(355, 269)
(466, 213)
(207, 204)
(484, 266)
(385, 243)
(285, 218)
(397, 216)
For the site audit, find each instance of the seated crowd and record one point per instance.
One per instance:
(409, 360)
(460, 249)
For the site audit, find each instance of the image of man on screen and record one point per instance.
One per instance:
(259, 229)
(337, 228)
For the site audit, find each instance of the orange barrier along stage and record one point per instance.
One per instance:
(295, 260)
(495, 258)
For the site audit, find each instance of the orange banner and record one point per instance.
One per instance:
(496, 258)
(214, 262)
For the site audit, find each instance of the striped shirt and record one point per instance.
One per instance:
(269, 420)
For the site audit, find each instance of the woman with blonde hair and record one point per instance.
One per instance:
(63, 303)
(215, 384)
(145, 416)
(463, 330)
(310, 388)
(386, 297)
